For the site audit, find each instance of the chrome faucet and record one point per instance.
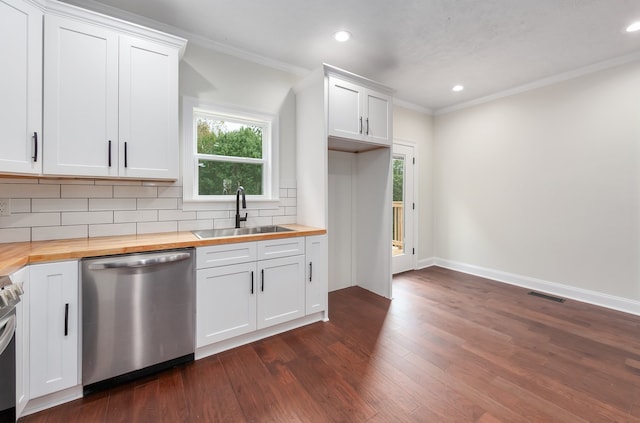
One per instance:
(244, 206)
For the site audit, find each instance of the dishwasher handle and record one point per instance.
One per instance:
(140, 261)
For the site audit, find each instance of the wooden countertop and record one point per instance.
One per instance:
(15, 255)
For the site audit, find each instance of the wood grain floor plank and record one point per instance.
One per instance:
(450, 347)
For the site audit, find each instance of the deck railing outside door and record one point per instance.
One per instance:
(398, 227)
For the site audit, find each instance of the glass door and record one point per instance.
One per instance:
(402, 209)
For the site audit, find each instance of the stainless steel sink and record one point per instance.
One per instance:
(217, 233)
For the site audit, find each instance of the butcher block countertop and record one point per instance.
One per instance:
(13, 256)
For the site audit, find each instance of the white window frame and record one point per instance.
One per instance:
(191, 108)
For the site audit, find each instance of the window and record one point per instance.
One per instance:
(227, 148)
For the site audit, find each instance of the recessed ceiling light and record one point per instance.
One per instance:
(342, 36)
(634, 27)
(457, 88)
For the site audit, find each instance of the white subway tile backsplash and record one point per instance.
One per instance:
(135, 192)
(29, 191)
(58, 208)
(272, 212)
(172, 192)
(120, 182)
(220, 214)
(87, 218)
(158, 203)
(29, 220)
(59, 232)
(176, 215)
(194, 225)
(288, 202)
(135, 216)
(152, 227)
(96, 204)
(284, 220)
(20, 205)
(116, 229)
(58, 204)
(86, 191)
(58, 181)
(15, 235)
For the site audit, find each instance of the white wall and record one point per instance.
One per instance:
(546, 184)
(417, 128)
(44, 208)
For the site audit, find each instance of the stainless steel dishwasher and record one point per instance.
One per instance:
(138, 315)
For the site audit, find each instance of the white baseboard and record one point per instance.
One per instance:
(565, 291)
(424, 263)
(42, 403)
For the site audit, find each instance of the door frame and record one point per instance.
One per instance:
(415, 223)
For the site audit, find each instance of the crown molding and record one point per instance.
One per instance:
(565, 76)
(191, 37)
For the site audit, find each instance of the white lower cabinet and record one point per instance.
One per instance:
(22, 341)
(282, 296)
(317, 278)
(225, 302)
(53, 327)
(246, 287)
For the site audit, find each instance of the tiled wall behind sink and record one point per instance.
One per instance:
(44, 209)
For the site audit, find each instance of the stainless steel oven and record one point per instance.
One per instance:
(9, 298)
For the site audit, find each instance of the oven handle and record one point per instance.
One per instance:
(140, 262)
(9, 324)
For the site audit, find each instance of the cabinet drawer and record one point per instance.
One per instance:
(276, 248)
(222, 255)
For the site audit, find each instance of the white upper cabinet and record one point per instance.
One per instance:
(358, 113)
(80, 98)
(21, 87)
(148, 109)
(110, 101)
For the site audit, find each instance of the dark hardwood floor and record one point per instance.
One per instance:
(449, 348)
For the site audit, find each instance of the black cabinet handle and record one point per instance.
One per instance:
(109, 153)
(262, 277)
(66, 319)
(125, 154)
(310, 271)
(35, 147)
(361, 124)
(367, 126)
(252, 282)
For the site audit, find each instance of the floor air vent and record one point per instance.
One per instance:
(547, 297)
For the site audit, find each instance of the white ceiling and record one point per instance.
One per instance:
(420, 48)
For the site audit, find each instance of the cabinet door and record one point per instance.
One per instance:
(21, 87)
(22, 341)
(148, 109)
(226, 302)
(53, 327)
(378, 120)
(80, 99)
(345, 109)
(317, 271)
(281, 294)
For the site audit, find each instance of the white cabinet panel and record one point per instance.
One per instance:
(148, 109)
(345, 109)
(21, 87)
(281, 296)
(53, 327)
(283, 247)
(110, 103)
(316, 274)
(226, 302)
(378, 122)
(22, 341)
(358, 113)
(80, 98)
(222, 255)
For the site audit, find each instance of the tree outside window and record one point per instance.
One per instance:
(230, 153)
